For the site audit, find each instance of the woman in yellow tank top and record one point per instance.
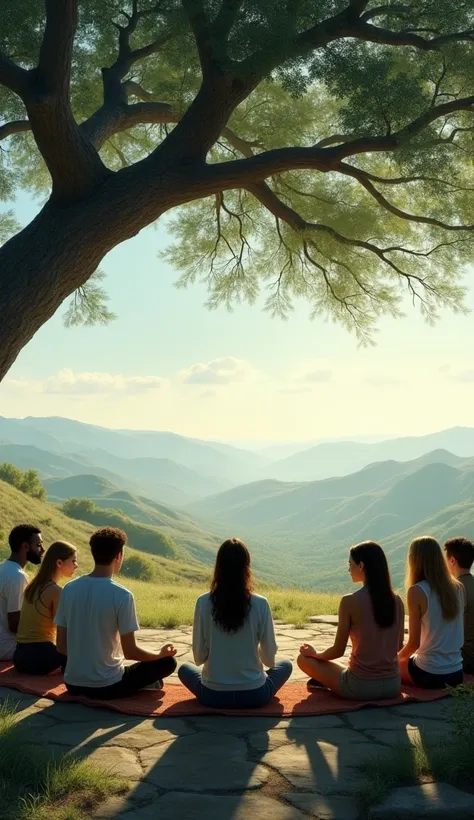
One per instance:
(36, 652)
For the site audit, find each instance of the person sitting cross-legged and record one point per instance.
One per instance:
(432, 656)
(460, 558)
(96, 623)
(36, 652)
(26, 545)
(373, 618)
(234, 637)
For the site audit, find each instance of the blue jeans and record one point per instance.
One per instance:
(190, 676)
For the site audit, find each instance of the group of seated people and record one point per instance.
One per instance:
(88, 627)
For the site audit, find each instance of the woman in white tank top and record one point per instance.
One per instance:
(432, 658)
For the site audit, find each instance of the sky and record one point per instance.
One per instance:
(167, 363)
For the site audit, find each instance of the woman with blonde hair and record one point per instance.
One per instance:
(36, 652)
(432, 657)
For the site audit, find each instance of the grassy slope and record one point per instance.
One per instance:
(310, 527)
(170, 600)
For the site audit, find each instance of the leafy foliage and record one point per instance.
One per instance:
(356, 114)
(26, 481)
(135, 566)
(89, 304)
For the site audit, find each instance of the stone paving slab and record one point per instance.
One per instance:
(242, 768)
(430, 801)
(177, 806)
(289, 638)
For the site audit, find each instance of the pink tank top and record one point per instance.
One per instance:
(374, 650)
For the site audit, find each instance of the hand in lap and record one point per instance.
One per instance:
(168, 651)
(308, 651)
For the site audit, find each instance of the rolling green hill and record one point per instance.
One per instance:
(310, 526)
(169, 599)
(16, 508)
(194, 539)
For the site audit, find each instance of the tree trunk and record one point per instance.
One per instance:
(40, 267)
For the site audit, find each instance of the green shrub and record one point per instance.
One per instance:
(27, 482)
(134, 566)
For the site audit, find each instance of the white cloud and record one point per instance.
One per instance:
(218, 371)
(464, 376)
(67, 382)
(456, 374)
(319, 376)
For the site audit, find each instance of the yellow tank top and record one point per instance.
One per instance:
(36, 623)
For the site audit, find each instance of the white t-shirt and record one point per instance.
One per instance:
(95, 612)
(234, 661)
(13, 581)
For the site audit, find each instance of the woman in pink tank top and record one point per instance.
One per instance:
(373, 619)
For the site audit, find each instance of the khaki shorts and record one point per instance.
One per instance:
(354, 688)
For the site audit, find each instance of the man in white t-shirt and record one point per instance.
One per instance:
(96, 622)
(26, 545)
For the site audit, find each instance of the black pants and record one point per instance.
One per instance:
(38, 658)
(135, 677)
(426, 680)
(468, 665)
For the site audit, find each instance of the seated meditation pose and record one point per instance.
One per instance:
(26, 546)
(431, 658)
(459, 558)
(96, 623)
(234, 637)
(36, 652)
(373, 618)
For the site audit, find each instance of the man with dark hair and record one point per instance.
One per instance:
(96, 622)
(460, 558)
(26, 545)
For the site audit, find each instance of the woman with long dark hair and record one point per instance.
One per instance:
(234, 637)
(373, 619)
(432, 656)
(36, 652)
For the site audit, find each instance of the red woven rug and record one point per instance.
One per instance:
(175, 701)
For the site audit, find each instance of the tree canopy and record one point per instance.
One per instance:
(307, 148)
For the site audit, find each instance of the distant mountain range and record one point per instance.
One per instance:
(300, 513)
(343, 457)
(316, 522)
(210, 467)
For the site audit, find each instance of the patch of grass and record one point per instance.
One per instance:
(168, 600)
(448, 761)
(161, 605)
(35, 786)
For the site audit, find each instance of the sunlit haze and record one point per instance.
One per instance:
(167, 363)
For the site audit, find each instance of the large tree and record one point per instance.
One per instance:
(317, 148)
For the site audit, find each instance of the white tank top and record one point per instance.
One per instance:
(441, 641)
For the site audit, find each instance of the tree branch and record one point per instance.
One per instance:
(373, 34)
(194, 10)
(242, 172)
(226, 18)
(109, 121)
(55, 58)
(114, 114)
(74, 164)
(12, 76)
(361, 177)
(14, 127)
(349, 23)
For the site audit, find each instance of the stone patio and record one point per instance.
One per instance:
(231, 768)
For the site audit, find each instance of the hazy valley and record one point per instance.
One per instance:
(179, 497)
